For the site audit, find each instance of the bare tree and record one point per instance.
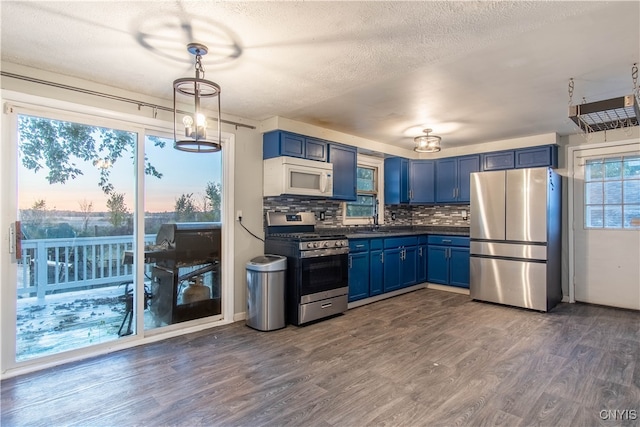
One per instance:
(86, 208)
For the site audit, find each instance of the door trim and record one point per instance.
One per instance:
(571, 150)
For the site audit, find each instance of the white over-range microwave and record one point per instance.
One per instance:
(290, 175)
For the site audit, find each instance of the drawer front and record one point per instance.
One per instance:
(448, 240)
(423, 239)
(395, 242)
(358, 245)
(376, 244)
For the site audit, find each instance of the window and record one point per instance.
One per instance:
(612, 193)
(369, 202)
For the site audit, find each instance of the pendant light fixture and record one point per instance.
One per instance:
(192, 131)
(427, 143)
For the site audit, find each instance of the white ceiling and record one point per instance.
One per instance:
(472, 71)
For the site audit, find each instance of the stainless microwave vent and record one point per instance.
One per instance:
(614, 113)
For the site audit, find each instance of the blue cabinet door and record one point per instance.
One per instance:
(292, 145)
(376, 263)
(281, 143)
(438, 264)
(533, 157)
(391, 269)
(315, 149)
(421, 270)
(459, 267)
(498, 160)
(446, 180)
(453, 183)
(422, 188)
(396, 181)
(345, 167)
(466, 165)
(409, 267)
(358, 275)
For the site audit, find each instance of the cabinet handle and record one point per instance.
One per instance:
(381, 257)
(359, 246)
(420, 251)
(454, 193)
(350, 261)
(446, 241)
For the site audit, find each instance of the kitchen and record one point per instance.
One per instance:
(247, 193)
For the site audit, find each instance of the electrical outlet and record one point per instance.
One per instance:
(393, 216)
(239, 215)
(464, 215)
(322, 216)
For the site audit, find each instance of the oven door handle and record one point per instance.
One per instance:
(326, 305)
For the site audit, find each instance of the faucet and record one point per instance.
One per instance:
(375, 214)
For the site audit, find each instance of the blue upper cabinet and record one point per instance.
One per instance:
(345, 166)
(498, 161)
(315, 149)
(546, 155)
(422, 182)
(396, 180)
(280, 143)
(453, 178)
(531, 157)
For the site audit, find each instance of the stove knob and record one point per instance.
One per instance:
(338, 243)
(309, 245)
(326, 244)
(315, 244)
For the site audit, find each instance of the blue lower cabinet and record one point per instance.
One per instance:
(358, 269)
(459, 267)
(400, 267)
(438, 264)
(376, 265)
(448, 260)
(358, 275)
(421, 270)
(391, 270)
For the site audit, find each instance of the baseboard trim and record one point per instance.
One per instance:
(386, 295)
(239, 316)
(453, 289)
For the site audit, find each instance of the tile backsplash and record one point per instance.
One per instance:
(404, 215)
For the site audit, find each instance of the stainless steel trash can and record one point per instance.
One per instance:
(265, 292)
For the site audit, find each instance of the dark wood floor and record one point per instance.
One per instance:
(427, 358)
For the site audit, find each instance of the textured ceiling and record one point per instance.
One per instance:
(472, 71)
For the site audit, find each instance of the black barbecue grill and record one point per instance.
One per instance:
(185, 277)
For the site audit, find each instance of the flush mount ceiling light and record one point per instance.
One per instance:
(427, 143)
(614, 113)
(191, 130)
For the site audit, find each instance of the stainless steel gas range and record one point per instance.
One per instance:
(317, 266)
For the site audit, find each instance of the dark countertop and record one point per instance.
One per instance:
(367, 233)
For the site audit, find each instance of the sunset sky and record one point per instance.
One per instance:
(182, 173)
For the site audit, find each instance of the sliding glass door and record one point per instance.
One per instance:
(184, 195)
(75, 207)
(82, 243)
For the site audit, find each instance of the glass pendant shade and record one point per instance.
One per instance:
(427, 143)
(194, 100)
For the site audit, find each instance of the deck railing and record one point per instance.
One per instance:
(61, 265)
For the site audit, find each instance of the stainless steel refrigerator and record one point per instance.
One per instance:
(516, 237)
